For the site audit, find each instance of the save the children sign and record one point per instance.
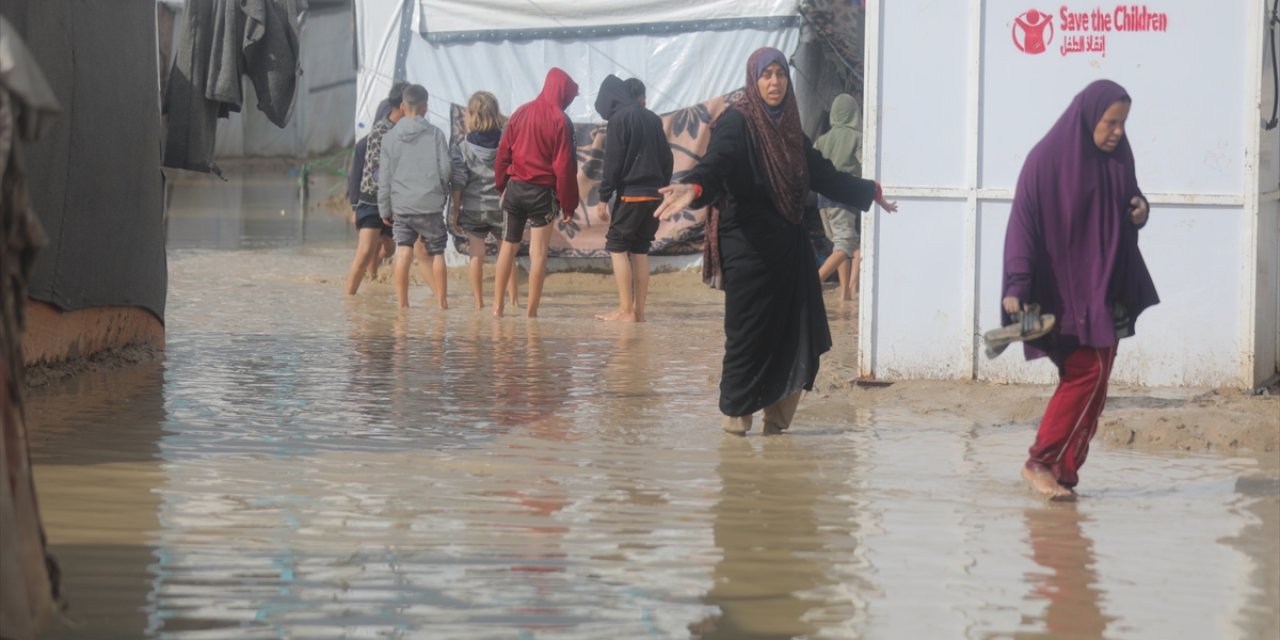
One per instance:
(1082, 30)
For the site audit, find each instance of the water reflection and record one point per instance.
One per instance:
(94, 451)
(369, 375)
(306, 465)
(1066, 578)
(766, 530)
(260, 205)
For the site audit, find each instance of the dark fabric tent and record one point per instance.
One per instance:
(95, 177)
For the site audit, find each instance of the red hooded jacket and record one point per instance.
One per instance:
(537, 144)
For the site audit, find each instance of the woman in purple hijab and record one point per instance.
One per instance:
(1072, 247)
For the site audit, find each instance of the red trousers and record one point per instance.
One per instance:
(1070, 420)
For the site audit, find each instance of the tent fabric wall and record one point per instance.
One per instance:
(679, 70)
(444, 20)
(95, 178)
(328, 39)
(828, 61)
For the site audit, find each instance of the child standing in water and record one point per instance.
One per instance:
(476, 206)
(637, 162)
(373, 238)
(536, 172)
(413, 185)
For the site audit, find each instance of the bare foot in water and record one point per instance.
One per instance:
(497, 311)
(618, 315)
(1043, 483)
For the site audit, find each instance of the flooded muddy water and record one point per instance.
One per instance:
(303, 465)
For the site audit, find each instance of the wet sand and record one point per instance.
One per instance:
(301, 464)
(1161, 420)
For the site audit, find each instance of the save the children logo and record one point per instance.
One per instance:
(1032, 32)
(1083, 30)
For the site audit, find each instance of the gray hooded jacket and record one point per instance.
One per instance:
(473, 174)
(414, 170)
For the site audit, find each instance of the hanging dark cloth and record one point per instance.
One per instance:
(223, 40)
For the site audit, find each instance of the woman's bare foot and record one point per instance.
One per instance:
(736, 425)
(479, 304)
(1043, 483)
(497, 311)
(609, 317)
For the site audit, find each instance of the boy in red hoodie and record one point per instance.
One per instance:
(536, 169)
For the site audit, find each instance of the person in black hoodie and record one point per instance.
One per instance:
(637, 162)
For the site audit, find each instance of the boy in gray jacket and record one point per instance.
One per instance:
(413, 188)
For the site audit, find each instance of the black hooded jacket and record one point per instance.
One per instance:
(637, 156)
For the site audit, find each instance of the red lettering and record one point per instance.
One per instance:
(1140, 18)
(1073, 21)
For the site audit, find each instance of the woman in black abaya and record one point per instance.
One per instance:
(758, 168)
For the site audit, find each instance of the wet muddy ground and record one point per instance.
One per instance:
(303, 465)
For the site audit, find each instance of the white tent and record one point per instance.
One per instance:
(685, 52)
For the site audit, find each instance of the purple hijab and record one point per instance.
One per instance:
(1070, 245)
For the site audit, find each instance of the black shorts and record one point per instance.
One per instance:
(367, 218)
(524, 203)
(632, 227)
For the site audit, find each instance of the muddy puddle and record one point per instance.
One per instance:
(302, 465)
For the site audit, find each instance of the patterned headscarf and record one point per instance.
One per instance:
(778, 139)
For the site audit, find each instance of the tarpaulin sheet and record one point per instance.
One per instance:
(679, 70)
(445, 20)
(95, 177)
